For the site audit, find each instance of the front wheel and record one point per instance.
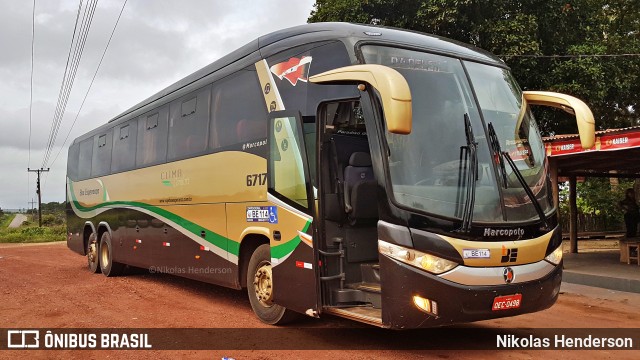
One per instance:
(107, 265)
(260, 289)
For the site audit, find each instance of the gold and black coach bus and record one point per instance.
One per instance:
(386, 176)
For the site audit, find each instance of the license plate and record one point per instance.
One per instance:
(476, 253)
(507, 302)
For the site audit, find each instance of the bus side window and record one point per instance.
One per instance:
(152, 137)
(124, 147)
(84, 160)
(101, 162)
(188, 124)
(239, 113)
(72, 162)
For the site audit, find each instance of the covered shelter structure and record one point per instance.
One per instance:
(616, 154)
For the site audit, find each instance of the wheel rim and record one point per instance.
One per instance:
(263, 284)
(92, 255)
(104, 255)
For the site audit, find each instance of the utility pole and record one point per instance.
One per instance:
(32, 203)
(41, 170)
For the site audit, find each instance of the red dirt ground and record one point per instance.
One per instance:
(48, 286)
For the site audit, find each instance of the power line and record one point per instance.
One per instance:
(75, 61)
(33, 34)
(70, 73)
(91, 84)
(64, 76)
(86, 24)
(570, 56)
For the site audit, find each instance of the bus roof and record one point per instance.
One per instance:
(280, 40)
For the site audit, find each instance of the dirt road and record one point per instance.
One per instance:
(48, 286)
(18, 220)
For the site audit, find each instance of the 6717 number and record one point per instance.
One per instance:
(256, 179)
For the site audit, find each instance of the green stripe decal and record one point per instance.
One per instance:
(285, 249)
(213, 238)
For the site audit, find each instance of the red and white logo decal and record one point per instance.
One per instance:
(293, 70)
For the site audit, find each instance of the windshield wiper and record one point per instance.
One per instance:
(495, 146)
(472, 175)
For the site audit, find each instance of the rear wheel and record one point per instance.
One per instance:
(260, 289)
(93, 260)
(107, 265)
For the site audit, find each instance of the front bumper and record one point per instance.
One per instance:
(456, 303)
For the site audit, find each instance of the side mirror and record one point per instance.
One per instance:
(392, 86)
(571, 105)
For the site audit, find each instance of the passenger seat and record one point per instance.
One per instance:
(360, 188)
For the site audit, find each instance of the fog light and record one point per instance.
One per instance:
(426, 305)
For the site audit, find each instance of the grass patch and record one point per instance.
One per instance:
(6, 219)
(31, 233)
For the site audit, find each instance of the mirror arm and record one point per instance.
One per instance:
(571, 105)
(391, 85)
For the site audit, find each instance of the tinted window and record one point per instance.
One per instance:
(188, 124)
(72, 162)
(238, 110)
(101, 163)
(152, 137)
(124, 147)
(84, 159)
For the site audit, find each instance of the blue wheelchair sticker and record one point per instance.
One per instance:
(273, 214)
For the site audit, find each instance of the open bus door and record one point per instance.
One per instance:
(293, 257)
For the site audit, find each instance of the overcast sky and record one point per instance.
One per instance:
(157, 42)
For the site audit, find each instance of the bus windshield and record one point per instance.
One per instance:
(429, 167)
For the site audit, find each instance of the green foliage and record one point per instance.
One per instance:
(53, 229)
(51, 220)
(53, 207)
(597, 198)
(512, 29)
(5, 220)
(33, 234)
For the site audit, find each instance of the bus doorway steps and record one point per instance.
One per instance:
(364, 314)
(358, 294)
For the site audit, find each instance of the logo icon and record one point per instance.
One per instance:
(23, 339)
(508, 275)
(509, 255)
(294, 70)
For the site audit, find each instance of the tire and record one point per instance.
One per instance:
(107, 265)
(93, 260)
(259, 278)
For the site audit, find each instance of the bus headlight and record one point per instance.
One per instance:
(431, 263)
(556, 256)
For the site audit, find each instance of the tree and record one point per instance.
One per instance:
(549, 44)
(598, 199)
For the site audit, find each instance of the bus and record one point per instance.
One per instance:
(390, 177)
